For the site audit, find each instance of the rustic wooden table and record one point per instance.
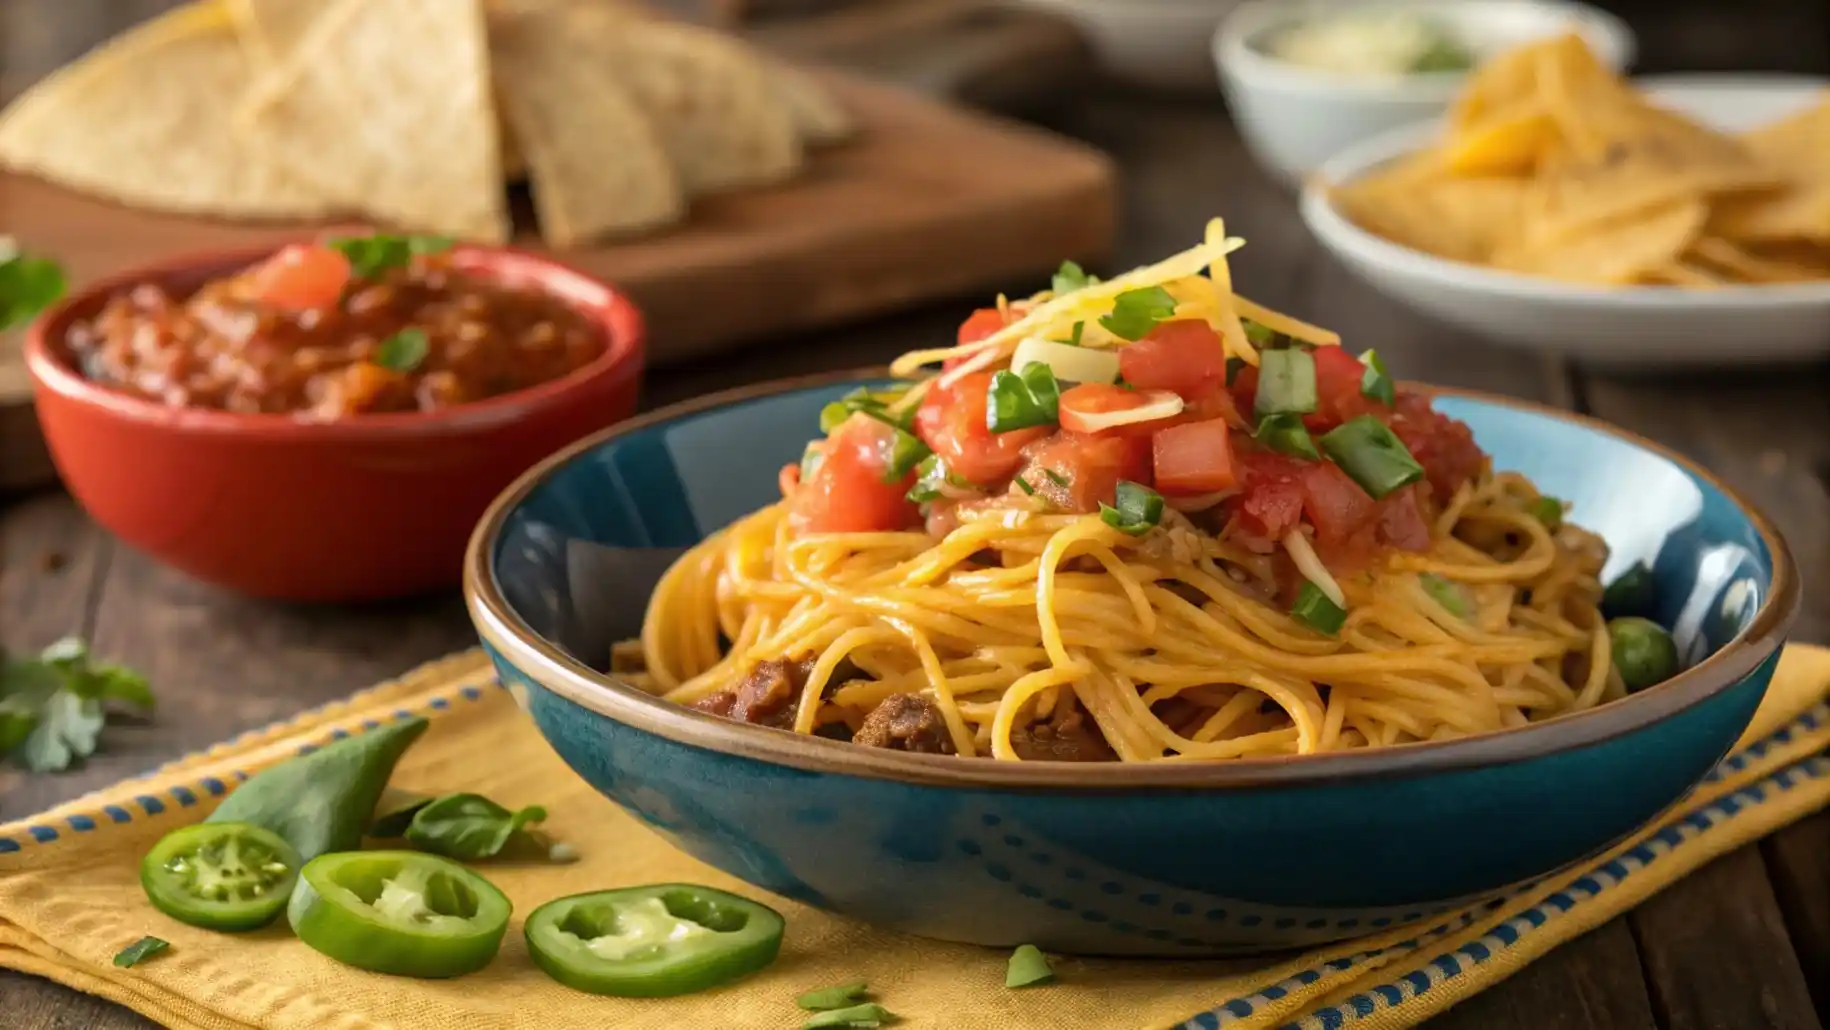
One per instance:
(1743, 944)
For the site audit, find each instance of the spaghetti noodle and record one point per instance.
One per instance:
(1233, 541)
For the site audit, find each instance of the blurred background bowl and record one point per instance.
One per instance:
(1609, 326)
(1294, 117)
(366, 507)
(1157, 44)
(1166, 858)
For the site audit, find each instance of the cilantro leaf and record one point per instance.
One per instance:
(1136, 312)
(66, 731)
(52, 707)
(369, 256)
(1070, 277)
(139, 951)
(404, 351)
(28, 285)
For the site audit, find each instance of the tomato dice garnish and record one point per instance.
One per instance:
(1335, 505)
(951, 420)
(1443, 446)
(1402, 522)
(1270, 504)
(846, 492)
(1185, 357)
(1195, 458)
(1077, 472)
(976, 327)
(301, 277)
(1338, 375)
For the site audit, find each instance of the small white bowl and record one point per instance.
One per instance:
(1625, 326)
(1293, 117)
(1160, 44)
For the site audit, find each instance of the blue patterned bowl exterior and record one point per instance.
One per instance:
(1174, 860)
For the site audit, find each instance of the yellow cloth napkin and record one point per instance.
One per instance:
(70, 898)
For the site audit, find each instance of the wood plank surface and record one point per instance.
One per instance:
(1740, 945)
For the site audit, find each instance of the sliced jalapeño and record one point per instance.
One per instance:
(220, 876)
(652, 942)
(399, 912)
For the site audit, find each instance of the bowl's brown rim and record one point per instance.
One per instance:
(502, 629)
(616, 315)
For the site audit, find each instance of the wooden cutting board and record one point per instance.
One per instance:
(930, 201)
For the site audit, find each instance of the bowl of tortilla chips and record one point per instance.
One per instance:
(1680, 220)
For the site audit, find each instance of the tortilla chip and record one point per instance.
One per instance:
(709, 97)
(1508, 140)
(1799, 144)
(1459, 219)
(597, 165)
(1680, 273)
(818, 116)
(147, 120)
(1745, 266)
(408, 138)
(1617, 251)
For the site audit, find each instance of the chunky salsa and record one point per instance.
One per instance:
(335, 329)
(1314, 440)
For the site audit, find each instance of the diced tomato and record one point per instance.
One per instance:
(301, 277)
(1271, 500)
(1338, 375)
(1214, 402)
(1402, 523)
(1086, 469)
(846, 493)
(976, 327)
(952, 422)
(1195, 458)
(1186, 357)
(1335, 505)
(1443, 446)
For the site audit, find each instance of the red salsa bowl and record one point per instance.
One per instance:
(335, 456)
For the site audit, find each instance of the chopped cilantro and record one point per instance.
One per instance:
(52, 707)
(1136, 312)
(404, 351)
(139, 951)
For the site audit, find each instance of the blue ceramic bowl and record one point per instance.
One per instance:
(1170, 859)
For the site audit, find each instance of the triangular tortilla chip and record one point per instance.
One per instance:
(1617, 251)
(597, 165)
(404, 133)
(711, 99)
(1799, 148)
(818, 115)
(147, 120)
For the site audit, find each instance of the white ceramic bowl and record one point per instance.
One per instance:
(1293, 117)
(1161, 44)
(1632, 326)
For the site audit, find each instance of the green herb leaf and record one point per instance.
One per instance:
(1070, 277)
(369, 256)
(1057, 478)
(1022, 400)
(1136, 312)
(1447, 593)
(1137, 512)
(1287, 434)
(1286, 382)
(827, 998)
(468, 826)
(906, 453)
(933, 477)
(1376, 384)
(52, 706)
(864, 1017)
(832, 416)
(1318, 611)
(1547, 510)
(404, 351)
(1023, 485)
(28, 285)
(861, 400)
(1371, 455)
(395, 812)
(139, 951)
(1073, 339)
(1443, 54)
(1028, 967)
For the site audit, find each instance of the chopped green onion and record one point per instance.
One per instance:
(1286, 382)
(1376, 384)
(1057, 478)
(1547, 510)
(139, 951)
(842, 996)
(1073, 339)
(864, 1017)
(1315, 610)
(1022, 400)
(1260, 336)
(833, 415)
(861, 400)
(1448, 594)
(1023, 485)
(1138, 511)
(1028, 967)
(933, 475)
(1371, 455)
(1632, 594)
(1287, 434)
(1136, 312)
(404, 351)
(907, 452)
(1070, 277)
(811, 459)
